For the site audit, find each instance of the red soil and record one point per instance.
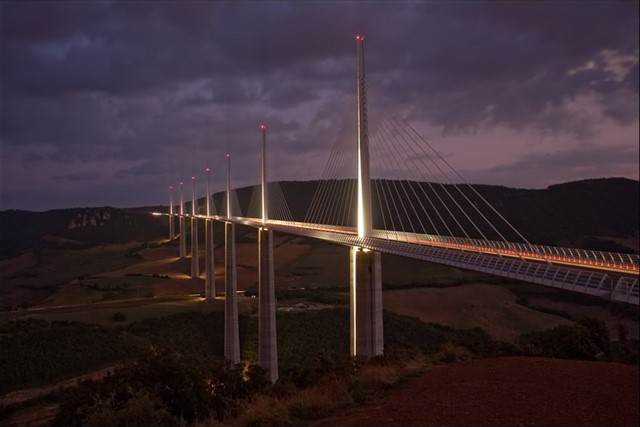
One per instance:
(511, 391)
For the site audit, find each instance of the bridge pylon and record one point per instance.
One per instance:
(195, 259)
(267, 341)
(364, 265)
(183, 242)
(172, 231)
(210, 275)
(231, 331)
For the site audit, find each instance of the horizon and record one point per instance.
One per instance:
(296, 181)
(111, 103)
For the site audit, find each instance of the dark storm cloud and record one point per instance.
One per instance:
(541, 170)
(155, 82)
(79, 176)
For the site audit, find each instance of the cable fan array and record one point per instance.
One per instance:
(416, 195)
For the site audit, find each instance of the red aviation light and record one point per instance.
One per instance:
(359, 37)
(263, 127)
(228, 156)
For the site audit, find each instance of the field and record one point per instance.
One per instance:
(490, 307)
(84, 310)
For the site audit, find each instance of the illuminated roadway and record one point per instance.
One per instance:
(607, 275)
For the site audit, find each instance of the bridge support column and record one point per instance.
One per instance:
(366, 303)
(231, 332)
(183, 242)
(210, 274)
(195, 259)
(267, 343)
(172, 232)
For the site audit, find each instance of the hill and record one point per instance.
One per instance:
(599, 214)
(75, 228)
(508, 391)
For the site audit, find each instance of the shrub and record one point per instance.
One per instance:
(587, 341)
(119, 317)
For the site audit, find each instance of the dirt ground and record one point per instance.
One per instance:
(490, 307)
(13, 265)
(510, 391)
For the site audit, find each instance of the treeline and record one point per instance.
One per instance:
(36, 351)
(83, 227)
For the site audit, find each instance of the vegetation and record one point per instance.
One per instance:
(162, 388)
(579, 213)
(36, 351)
(75, 228)
(180, 377)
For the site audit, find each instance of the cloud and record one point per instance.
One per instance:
(580, 162)
(176, 85)
(79, 176)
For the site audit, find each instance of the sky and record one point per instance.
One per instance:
(110, 103)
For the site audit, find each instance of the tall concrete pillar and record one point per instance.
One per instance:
(366, 303)
(231, 331)
(172, 233)
(365, 266)
(183, 241)
(267, 342)
(195, 258)
(210, 278)
(195, 261)
(210, 274)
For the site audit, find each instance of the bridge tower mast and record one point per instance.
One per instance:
(365, 265)
(210, 278)
(195, 259)
(267, 344)
(183, 242)
(231, 331)
(172, 232)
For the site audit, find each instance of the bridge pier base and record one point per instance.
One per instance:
(195, 259)
(267, 343)
(366, 303)
(183, 242)
(231, 332)
(210, 278)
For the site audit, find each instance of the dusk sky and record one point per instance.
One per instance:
(109, 103)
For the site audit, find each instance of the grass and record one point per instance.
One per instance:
(491, 307)
(57, 267)
(360, 383)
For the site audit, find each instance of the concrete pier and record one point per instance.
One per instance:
(195, 256)
(183, 230)
(210, 273)
(366, 303)
(365, 267)
(195, 259)
(231, 331)
(267, 342)
(172, 232)
(183, 242)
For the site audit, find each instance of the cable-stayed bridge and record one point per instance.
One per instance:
(385, 190)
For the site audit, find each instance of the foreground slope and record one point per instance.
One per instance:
(509, 391)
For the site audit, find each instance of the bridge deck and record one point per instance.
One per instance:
(606, 275)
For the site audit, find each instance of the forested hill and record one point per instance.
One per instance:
(594, 214)
(75, 228)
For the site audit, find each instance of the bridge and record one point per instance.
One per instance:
(448, 223)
